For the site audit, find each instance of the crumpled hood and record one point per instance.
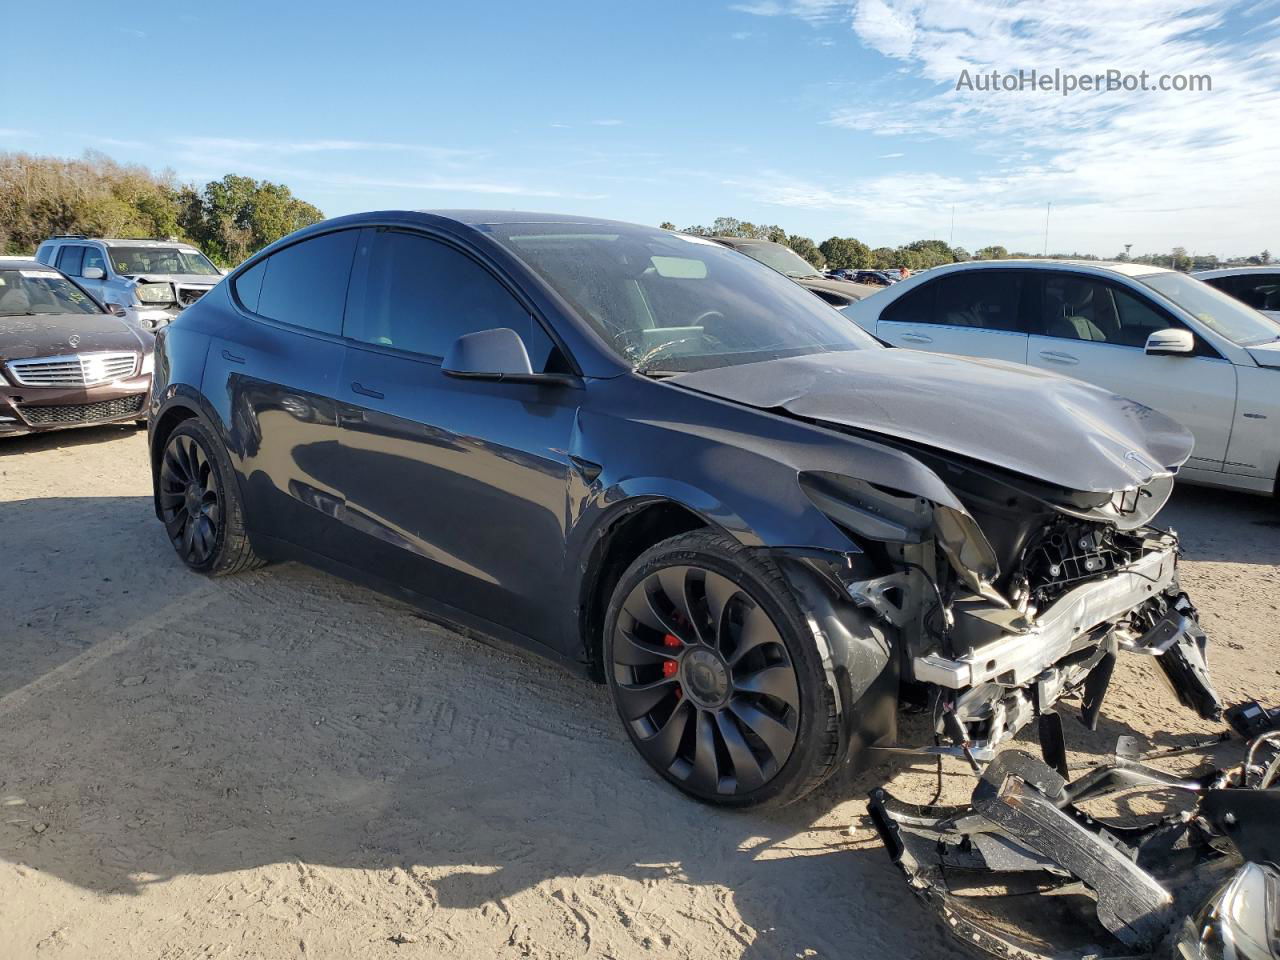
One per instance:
(48, 335)
(1030, 421)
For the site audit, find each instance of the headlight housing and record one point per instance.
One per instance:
(148, 362)
(154, 293)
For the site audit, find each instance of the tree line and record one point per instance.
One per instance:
(850, 253)
(228, 219)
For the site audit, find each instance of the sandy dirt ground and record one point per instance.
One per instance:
(284, 765)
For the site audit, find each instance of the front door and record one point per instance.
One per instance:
(1095, 330)
(455, 488)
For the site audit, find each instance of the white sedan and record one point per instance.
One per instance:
(1157, 336)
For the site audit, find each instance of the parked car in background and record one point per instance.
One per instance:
(1259, 287)
(1162, 338)
(838, 293)
(64, 360)
(667, 466)
(151, 280)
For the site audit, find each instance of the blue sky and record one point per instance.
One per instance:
(828, 118)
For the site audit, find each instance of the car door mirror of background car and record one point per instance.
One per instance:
(1170, 342)
(116, 309)
(93, 273)
(497, 354)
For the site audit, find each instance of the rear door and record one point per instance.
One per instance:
(274, 372)
(972, 313)
(456, 488)
(1096, 330)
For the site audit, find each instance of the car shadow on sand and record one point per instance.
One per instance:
(197, 727)
(1222, 526)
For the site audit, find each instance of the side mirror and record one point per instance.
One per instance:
(497, 354)
(92, 273)
(1171, 342)
(116, 309)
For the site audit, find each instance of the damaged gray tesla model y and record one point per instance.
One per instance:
(666, 465)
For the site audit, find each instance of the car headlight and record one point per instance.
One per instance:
(154, 293)
(148, 362)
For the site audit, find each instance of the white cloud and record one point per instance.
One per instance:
(814, 11)
(1159, 168)
(606, 123)
(890, 156)
(236, 145)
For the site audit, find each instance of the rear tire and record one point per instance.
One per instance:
(200, 503)
(713, 670)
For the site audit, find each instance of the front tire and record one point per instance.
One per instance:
(714, 673)
(200, 503)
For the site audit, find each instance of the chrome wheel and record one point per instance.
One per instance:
(704, 680)
(190, 500)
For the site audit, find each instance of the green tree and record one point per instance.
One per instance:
(666, 225)
(995, 252)
(807, 249)
(235, 216)
(845, 253)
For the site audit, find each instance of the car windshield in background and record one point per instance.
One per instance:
(144, 260)
(783, 259)
(1218, 311)
(34, 292)
(671, 303)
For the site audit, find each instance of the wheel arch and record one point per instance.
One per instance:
(627, 531)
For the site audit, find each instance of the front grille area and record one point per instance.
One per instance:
(77, 370)
(189, 295)
(83, 412)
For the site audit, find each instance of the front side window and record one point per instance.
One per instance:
(669, 303)
(69, 260)
(36, 292)
(305, 284)
(140, 261)
(418, 294)
(93, 258)
(1222, 314)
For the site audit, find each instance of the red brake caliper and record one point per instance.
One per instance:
(671, 667)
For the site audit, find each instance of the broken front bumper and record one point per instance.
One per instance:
(1024, 872)
(1005, 667)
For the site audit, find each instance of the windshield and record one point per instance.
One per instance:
(31, 292)
(1219, 312)
(144, 260)
(783, 259)
(671, 303)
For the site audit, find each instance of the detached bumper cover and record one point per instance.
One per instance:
(1024, 872)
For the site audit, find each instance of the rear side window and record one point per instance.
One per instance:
(248, 286)
(418, 294)
(983, 299)
(913, 307)
(306, 284)
(70, 259)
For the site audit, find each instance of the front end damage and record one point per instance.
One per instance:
(1027, 871)
(1014, 596)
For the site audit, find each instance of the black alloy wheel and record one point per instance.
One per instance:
(702, 677)
(191, 504)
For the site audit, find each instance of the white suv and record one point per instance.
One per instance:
(1160, 337)
(152, 281)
